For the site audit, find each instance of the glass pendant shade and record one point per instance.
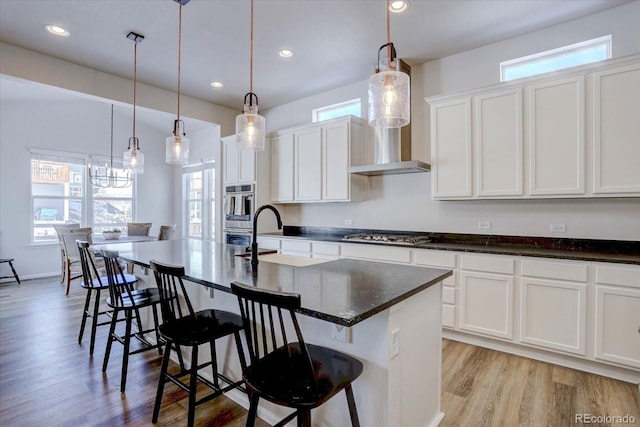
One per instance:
(389, 97)
(133, 158)
(177, 146)
(250, 129)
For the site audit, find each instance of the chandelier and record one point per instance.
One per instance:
(107, 176)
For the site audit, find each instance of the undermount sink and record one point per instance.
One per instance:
(291, 260)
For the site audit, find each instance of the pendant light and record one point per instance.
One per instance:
(177, 145)
(133, 158)
(389, 90)
(109, 177)
(250, 127)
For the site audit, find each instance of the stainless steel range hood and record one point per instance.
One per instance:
(392, 149)
(392, 154)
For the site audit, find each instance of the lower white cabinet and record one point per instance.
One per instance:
(296, 248)
(553, 314)
(617, 323)
(325, 250)
(446, 260)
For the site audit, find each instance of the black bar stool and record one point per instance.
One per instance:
(186, 327)
(288, 372)
(13, 270)
(123, 298)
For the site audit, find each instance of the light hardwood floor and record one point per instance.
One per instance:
(46, 378)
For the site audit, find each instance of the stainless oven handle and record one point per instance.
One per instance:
(237, 231)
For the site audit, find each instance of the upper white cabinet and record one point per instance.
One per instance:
(571, 134)
(616, 131)
(556, 137)
(239, 164)
(309, 163)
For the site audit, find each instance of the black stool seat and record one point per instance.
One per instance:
(137, 298)
(13, 270)
(204, 326)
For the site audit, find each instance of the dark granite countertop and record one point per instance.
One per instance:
(344, 291)
(616, 251)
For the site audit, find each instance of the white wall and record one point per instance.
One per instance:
(403, 202)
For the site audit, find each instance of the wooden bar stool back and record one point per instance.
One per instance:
(124, 298)
(288, 372)
(184, 327)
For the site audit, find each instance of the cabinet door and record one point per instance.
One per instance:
(247, 165)
(553, 314)
(282, 168)
(451, 149)
(486, 304)
(308, 164)
(616, 131)
(498, 143)
(335, 161)
(231, 155)
(618, 325)
(556, 137)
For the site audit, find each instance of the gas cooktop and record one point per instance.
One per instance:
(395, 239)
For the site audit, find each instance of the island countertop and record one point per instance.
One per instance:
(343, 291)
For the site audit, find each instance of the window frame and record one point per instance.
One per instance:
(206, 200)
(317, 112)
(605, 41)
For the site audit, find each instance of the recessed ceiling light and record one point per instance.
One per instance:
(398, 6)
(58, 31)
(216, 84)
(286, 53)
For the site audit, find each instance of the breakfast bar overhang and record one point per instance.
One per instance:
(393, 313)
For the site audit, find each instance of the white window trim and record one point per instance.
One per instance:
(607, 40)
(207, 167)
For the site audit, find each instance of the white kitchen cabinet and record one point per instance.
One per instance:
(268, 242)
(617, 322)
(239, 164)
(296, 247)
(486, 295)
(451, 155)
(616, 131)
(446, 260)
(498, 145)
(310, 163)
(282, 169)
(325, 250)
(376, 253)
(556, 137)
(553, 304)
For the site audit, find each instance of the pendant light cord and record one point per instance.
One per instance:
(388, 31)
(179, 55)
(111, 136)
(251, 53)
(135, 67)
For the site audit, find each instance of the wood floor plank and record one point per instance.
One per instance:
(46, 376)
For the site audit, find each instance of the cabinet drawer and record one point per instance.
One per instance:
(296, 246)
(622, 276)
(268, 243)
(434, 259)
(448, 316)
(322, 248)
(377, 253)
(577, 272)
(448, 295)
(490, 264)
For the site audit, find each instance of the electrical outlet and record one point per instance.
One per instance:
(395, 343)
(558, 228)
(341, 333)
(484, 225)
(347, 222)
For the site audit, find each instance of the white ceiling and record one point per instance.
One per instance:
(335, 41)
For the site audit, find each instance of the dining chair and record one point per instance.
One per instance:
(123, 298)
(166, 232)
(138, 228)
(63, 258)
(72, 255)
(94, 280)
(184, 327)
(290, 373)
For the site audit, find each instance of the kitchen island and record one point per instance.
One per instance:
(392, 314)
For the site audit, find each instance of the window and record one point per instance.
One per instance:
(199, 200)
(582, 53)
(57, 190)
(60, 194)
(352, 107)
